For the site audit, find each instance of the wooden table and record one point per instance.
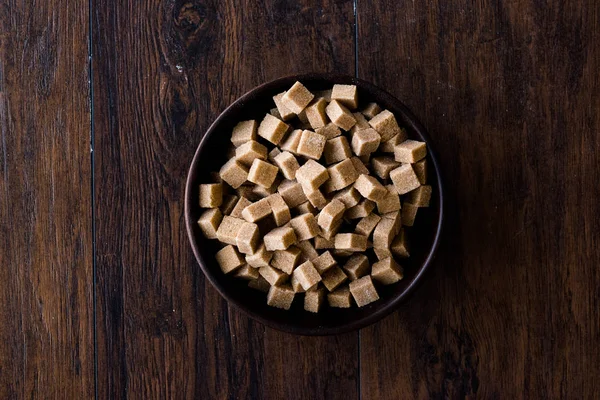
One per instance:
(100, 294)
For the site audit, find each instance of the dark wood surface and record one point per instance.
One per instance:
(46, 250)
(508, 92)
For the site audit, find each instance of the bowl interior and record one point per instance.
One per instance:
(211, 155)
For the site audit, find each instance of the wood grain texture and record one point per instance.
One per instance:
(509, 93)
(162, 73)
(46, 294)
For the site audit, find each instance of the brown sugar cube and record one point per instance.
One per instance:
(361, 123)
(307, 275)
(296, 286)
(314, 299)
(387, 271)
(330, 131)
(339, 115)
(331, 232)
(357, 266)
(249, 151)
(247, 238)
(341, 298)
(290, 143)
(297, 98)
(272, 129)
(316, 198)
(384, 233)
(328, 187)
(420, 197)
(273, 275)
(324, 262)
(287, 163)
(420, 169)
(259, 284)
(366, 225)
(209, 222)
(349, 196)
(331, 214)
(388, 147)
(370, 188)
(211, 195)
(390, 202)
(279, 209)
(261, 192)
(366, 159)
(247, 192)
(311, 175)
(337, 149)
(306, 207)
(275, 112)
(292, 193)
(382, 253)
(304, 124)
(305, 226)
(281, 296)
(410, 151)
(315, 113)
(228, 229)
(234, 173)
(361, 210)
(350, 242)
(262, 173)
(308, 250)
(365, 141)
(409, 213)
(311, 144)
(246, 272)
(243, 132)
(383, 165)
(280, 238)
(261, 258)
(359, 166)
(324, 94)
(385, 124)
(396, 217)
(399, 245)
(229, 203)
(267, 224)
(322, 244)
(273, 153)
(333, 278)
(342, 174)
(257, 211)
(363, 291)
(286, 260)
(286, 113)
(345, 94)
(241, 204)
(371, 110)
(229, 259)
(404, 179)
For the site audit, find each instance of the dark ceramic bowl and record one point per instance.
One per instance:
(424, 236)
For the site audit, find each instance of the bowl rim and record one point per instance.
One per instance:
(393, 303)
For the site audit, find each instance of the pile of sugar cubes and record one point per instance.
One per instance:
(315, 198)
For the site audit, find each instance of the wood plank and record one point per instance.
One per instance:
(162, 73)
(508, 91)
(46, 275)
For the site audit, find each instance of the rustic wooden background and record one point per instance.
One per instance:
(100, 295)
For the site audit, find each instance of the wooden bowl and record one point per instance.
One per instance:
(210, 156)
